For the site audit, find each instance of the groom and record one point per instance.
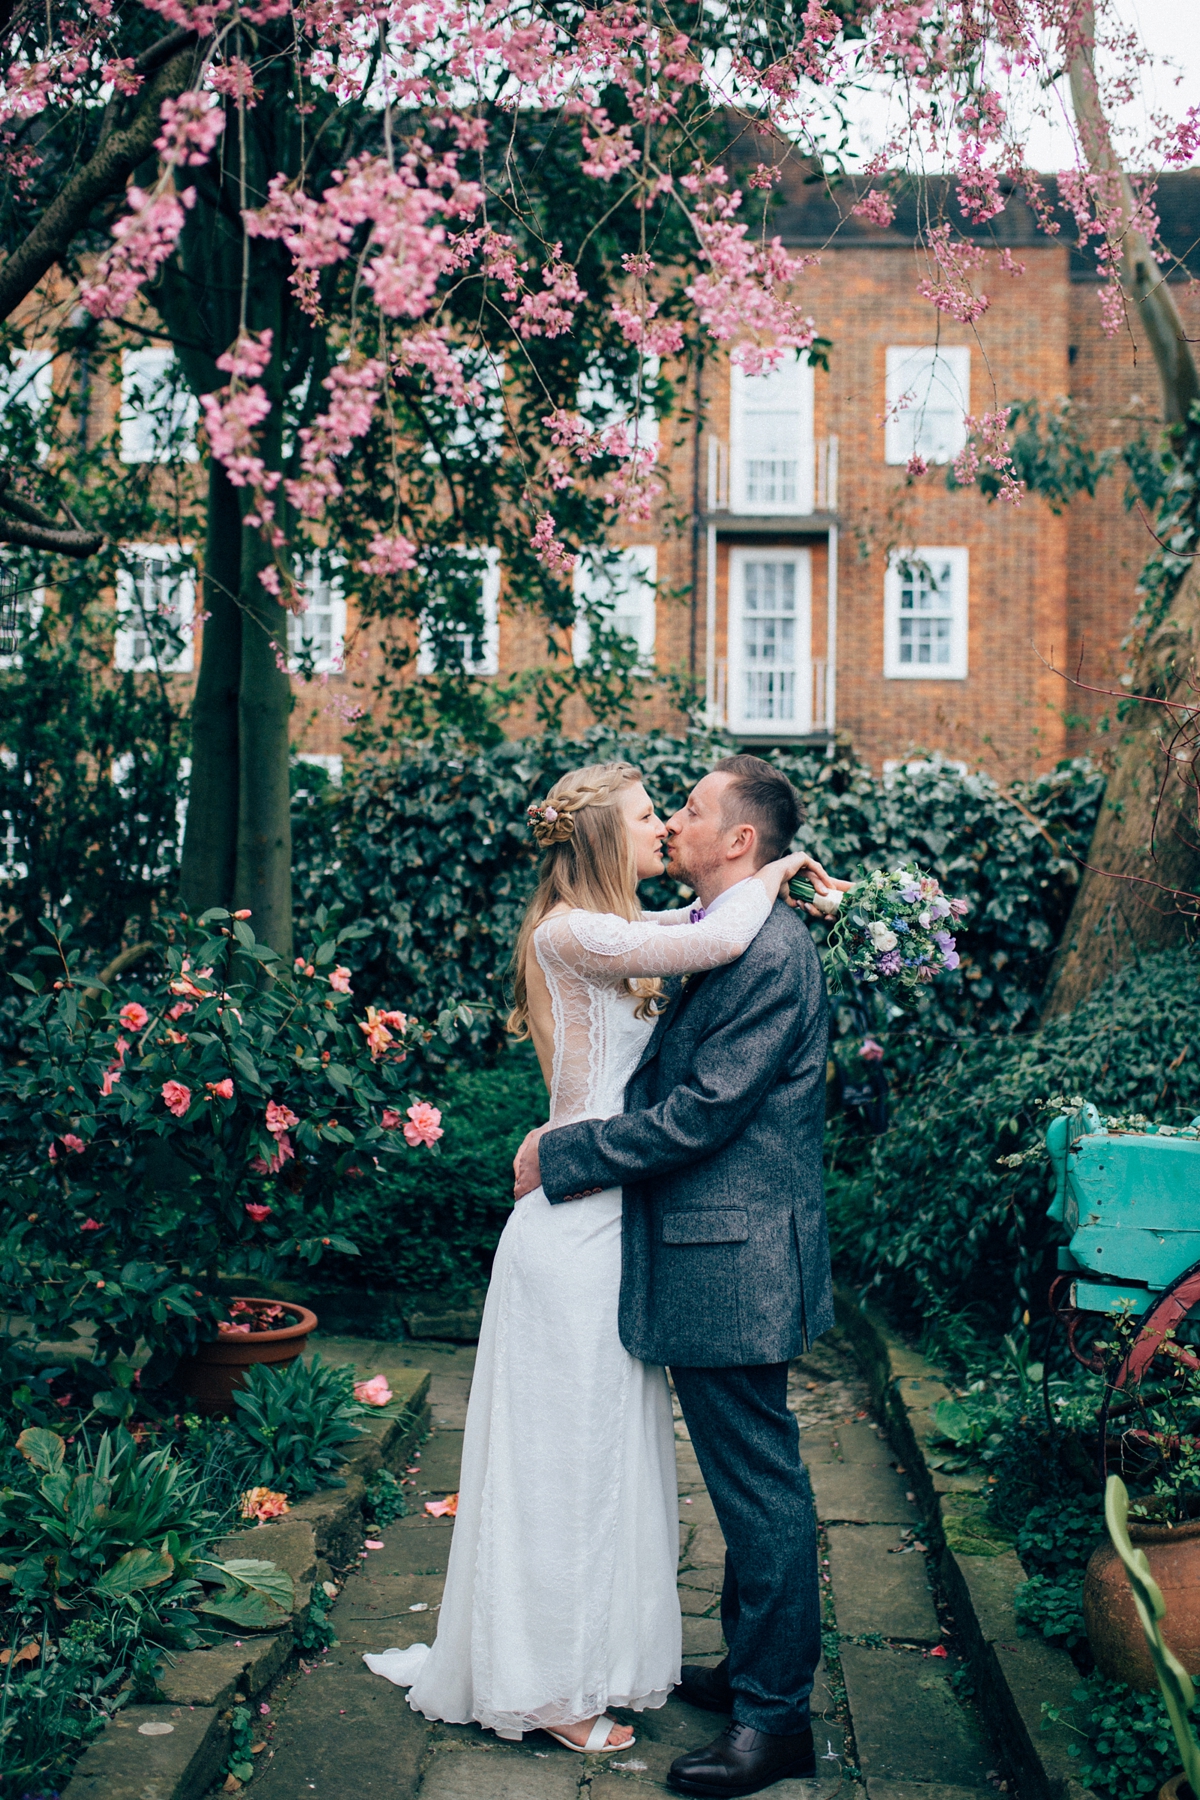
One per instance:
(725, 1262)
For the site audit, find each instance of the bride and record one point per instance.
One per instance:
(560, 1595)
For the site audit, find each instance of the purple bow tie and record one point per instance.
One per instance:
(696, 914)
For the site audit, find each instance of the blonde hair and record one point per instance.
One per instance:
(589, 863)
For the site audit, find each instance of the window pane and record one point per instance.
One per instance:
(769, 640)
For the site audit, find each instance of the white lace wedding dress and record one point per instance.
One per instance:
(560, 1595)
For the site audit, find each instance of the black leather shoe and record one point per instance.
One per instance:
(743, 1761)
(708, 1688)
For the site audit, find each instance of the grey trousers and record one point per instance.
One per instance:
(748, 1447)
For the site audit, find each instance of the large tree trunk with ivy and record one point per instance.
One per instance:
(1145, 847)
(209, 863)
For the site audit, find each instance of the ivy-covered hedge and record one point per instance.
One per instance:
(433, 848)
(929, 1214)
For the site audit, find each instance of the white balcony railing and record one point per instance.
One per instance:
(826, 472)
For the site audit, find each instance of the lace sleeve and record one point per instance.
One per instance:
(605, 947)
(678, 915)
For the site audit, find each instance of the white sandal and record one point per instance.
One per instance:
(597, 1739)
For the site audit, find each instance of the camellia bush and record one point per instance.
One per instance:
(204, 1120)
(433, 846)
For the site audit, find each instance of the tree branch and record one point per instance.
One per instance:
(1141, 274)
(21, 522)
(103, 175)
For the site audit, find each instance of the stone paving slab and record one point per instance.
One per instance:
(862, 1494)
(150, 1751)
(501, 1774)
(878, 1588)
(908, 1725)
(922, 1790)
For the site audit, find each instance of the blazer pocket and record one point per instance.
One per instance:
(706, 1225)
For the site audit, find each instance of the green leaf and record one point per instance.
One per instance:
(255, 1593)
(339, 1076)
(114, 1403)
(136, 1570)
(25, 982)
(244, 1066)
(243, 934)
(44, 1449)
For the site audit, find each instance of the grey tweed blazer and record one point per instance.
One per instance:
(725, 1249)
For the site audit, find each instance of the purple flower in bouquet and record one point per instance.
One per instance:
(890, 963)
(944, 941)
(911, 894)
(939, 908)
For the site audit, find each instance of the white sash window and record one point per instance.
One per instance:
(620, 586)
(476, 652)
(159, 414)
(928, 399)
(770, 642)
(155, 602)
(319, 632)
(771, 438)
(925, 615)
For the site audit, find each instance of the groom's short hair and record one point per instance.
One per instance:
(761, 796)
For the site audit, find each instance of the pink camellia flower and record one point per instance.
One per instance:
(221, 1090)
(257, 1213)
(391, 1119)
(133, 1016)
(374, 1029)
(397, 1020)
(177, 1097)
(339, 981)
(871, 1051)
(244, 914)
(52, 1153)
(91, 1225)
(262, 1503)
(282, 1153)
(180, 1007)
(229, 1329)
(375, 1392)
(109, 1080)
(74, 1144)
(425, 1126)
(280, 1119)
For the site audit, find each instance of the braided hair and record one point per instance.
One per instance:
(589, 863)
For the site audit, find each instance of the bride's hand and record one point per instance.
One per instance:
(776, 875)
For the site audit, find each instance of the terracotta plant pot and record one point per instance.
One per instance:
(210, 1375)
(1116, 1638)
(1176, 1789)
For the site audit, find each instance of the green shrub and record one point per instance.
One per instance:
(434, 849)
(297, 1422)
(432, 1223)
(1127, 1749)
(385, 1498)
(931, 1216)
(1058, 1538)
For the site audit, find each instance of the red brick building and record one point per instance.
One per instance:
(813, 589)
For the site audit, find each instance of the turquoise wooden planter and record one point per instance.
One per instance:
(1131, 1203)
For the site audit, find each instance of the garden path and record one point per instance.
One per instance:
(892, 1722)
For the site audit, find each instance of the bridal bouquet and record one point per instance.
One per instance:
(895, 926)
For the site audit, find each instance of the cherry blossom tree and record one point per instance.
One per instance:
(347, 218)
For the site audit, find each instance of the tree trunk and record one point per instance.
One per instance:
(1114, 919)
(1119, 913)
(263, 880)
(209, 865)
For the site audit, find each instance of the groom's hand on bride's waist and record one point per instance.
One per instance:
(526, 1173)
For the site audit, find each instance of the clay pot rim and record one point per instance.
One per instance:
(306, 1323)
(1142, 1531)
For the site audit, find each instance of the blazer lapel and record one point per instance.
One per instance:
(679, 1000)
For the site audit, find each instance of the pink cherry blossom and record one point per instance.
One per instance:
(425, 1124)
(191, 126)
(146, 236)
(177, 1097)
